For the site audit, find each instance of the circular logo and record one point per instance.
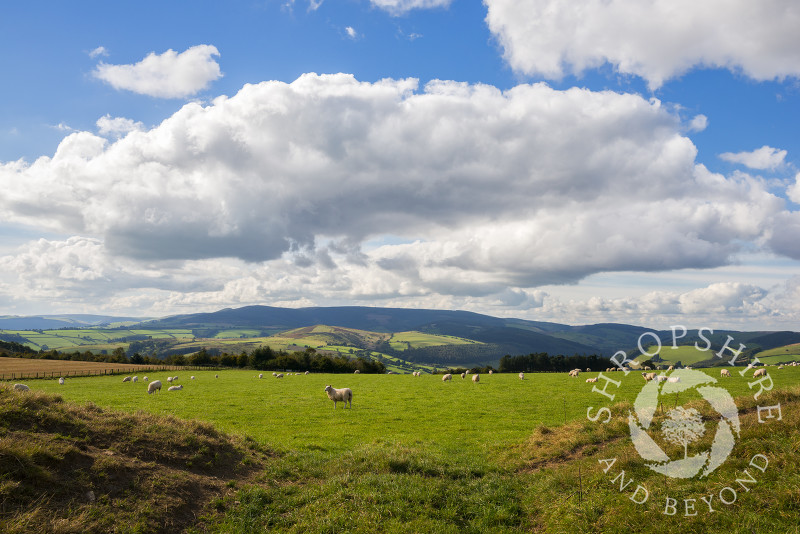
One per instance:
(683, 426)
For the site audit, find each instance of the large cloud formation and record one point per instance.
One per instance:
(341, 188)
(654, 39)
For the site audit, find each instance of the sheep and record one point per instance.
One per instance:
(522, 376)
(21, 387)
(490, 371)
(725, 372)
(760, 372)
(61, 380)
(174, 378)
(649, 376)
(174, 388)
(661, 378)
(191, 377)
(154, 386)
(170, 379)
(574, 373)
(344, 394)
(780, 367)
(356, 372)
(670, 368)
(144, 379)
(126, 379)
(591, 380)
(468, 371)
(135, 379)
(674, 379)
(261, 375)
(588, 370)
(216, 376)
(307, 373)
(463, 375)
(447, 377)
(279, 375)
(476, 377)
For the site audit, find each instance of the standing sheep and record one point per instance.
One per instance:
(476, 378)
(522, 376)
(725, 372)
(344, 394)
(463, 375)
(21, 387)
(447, 377)
(279, 375)
(61, 380)
(356, 372)
(154, 386)
(135, 379)
(760, 372)
(126, 379)
(649, 376)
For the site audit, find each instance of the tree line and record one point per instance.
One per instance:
(541, 362)
(262, 358)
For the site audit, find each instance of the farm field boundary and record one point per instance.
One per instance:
(19, 368)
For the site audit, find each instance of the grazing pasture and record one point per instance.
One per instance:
(415, 454)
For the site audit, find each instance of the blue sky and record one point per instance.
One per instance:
(577, 162)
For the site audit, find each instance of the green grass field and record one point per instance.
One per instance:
(415, 454)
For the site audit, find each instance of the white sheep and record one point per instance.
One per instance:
(356, 372)
(144, 379)
(661, 378)
(344, 394)
(490, 371)
(447, 377)
(591, 380)
(261, 375)
(468, 371)
(279, 375)
(61, 380)
(135, 379)
(522, 376)
(674, 379)
(191, 377)
(126, 379)
(21, 387)
(154, 386)
(760, 372)
(174, 378)
(476, 378)
(649, 376)
(780, 367)
(307, 373)
(588, 370)
(670, 368)
(174, 388)
(463, 375)
(170, 379)
(725, 372)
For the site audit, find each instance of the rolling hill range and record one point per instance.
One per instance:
(421, 337)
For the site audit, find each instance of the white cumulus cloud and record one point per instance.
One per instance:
(655, 39)
(764, 158)
(372, 192)
(117, 126)
(167, 75)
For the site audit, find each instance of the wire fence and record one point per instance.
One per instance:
(66, 373)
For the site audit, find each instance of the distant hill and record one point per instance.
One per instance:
(493, 337)
(51, 322)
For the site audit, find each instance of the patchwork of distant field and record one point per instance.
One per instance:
(454, 418)
(346, 341)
